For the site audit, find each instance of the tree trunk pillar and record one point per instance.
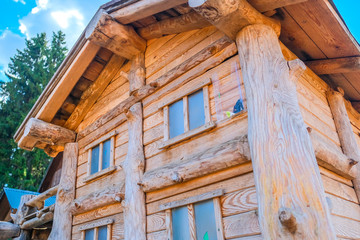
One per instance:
(291, 197)
(62, 222)
(134, 203)
(346, 134)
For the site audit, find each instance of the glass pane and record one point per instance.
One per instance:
(205, 220)
(106, 154)
(89, 234)
(196, 110)
(180, 223)
(95, 160)
(176, 119)
(102, 234)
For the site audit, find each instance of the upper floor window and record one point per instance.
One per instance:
(186, 113)
(100, 230)
(101, 156)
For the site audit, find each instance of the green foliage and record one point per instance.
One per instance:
(29, 72)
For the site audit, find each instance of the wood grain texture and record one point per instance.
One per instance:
(66, 194)
(134, 203)
(240, 13)
(335, 65)
(155, 222)
(137, 72)
(241, 225)
(239, 202)
(9, 230)
(284, 163)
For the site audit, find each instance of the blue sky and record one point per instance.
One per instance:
(20, 19)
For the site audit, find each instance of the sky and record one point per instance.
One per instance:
(20, 19)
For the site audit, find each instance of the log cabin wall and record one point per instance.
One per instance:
(238, 203)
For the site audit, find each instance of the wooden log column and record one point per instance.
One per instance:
(134, 203)
(290, 193)
(62, 222)
(19, 218)
(346, 135)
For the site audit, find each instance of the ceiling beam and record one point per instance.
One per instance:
(267, 5)
(106, 32)
(335, 65)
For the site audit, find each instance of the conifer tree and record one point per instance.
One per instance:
(29, 72)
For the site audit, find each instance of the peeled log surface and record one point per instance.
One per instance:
(40, 131)
(284, 164)
(38, 221)
(106, 32)
(98, 199)
(345, 132)
(62, 216)
(9, 230)
(38, 201)
(230, 16)
(225, 155)
(134, 203)
(137, 72)
(183, 23)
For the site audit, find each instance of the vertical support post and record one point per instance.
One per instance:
(19, 217)
(62, 222)
(290, 192)
(346, 135)
(134, 203)
(137, 72)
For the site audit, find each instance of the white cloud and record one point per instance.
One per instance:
(63, 17)
(40, 5)
(21, 1)
(23, 29)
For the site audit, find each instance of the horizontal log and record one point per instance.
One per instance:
(335, 65)
(110, 195)
(233, 153)
(231, 16)
(39, 131)
(106, 32)
(9, 230)
(225, 155)
(175, 25)
(36, 222)
(38, 201)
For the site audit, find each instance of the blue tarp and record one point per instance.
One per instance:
(14, 197)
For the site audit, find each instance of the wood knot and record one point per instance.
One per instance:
(352, 162)
(175, 177)
(309, 129)
(118, 199)
(154, 84)
(288, 219)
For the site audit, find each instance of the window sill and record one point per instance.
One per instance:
(103, 172)
(187, 135)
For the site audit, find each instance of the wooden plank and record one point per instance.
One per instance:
(267, 5)
(155, 222)
(89, 97)
(239, 202)
(335, 176)
(338, 189)
(191, 216)
(346, 228)
(241, 225)
(344, 208)
(68, 80)
(168, 223)
(335, 65)
(97, 214)
(158, 235)
(218, 219)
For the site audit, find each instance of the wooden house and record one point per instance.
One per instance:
(205, 119)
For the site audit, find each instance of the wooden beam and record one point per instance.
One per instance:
(134, 166)
(335, 65)
(106, 32)
(346, 135)
(225, 155)
(9, 230)
(98, 199)
(38, 201)
(142, 9)
(175, 25)
(62, 223)
(268, 5)
(286, 172)
(38, 221)
(92, 93)
(19, 217)
(230, 16)
(39, 131)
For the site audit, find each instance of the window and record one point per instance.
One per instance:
(186, 113)
(195, 218)
(100, 230)
(101, 156)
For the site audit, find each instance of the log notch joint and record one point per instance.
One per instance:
(106, 32)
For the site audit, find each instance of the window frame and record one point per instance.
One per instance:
(187, 90)
(100, 142)
(189, 202)
(96, 226)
